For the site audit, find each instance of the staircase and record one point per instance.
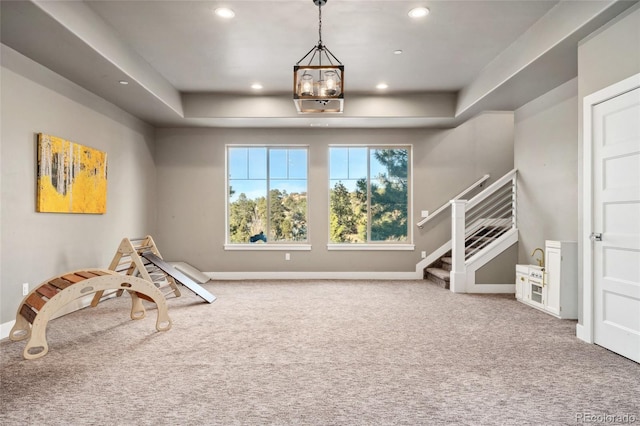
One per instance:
(439, 272)
(481, 229)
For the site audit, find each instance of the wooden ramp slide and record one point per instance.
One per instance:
(140, 257)
(179, 276)
(38, 307)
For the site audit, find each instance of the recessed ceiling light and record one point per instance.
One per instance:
(418, 12)
(382, 86)
(123, 82)
(256, 86)
(225, 12)
(397, 52)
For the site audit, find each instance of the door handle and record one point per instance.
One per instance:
(595, 236)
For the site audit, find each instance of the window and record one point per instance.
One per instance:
(369, 194)
(267, 189)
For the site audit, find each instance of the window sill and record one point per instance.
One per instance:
(268, 247)
(372, 247)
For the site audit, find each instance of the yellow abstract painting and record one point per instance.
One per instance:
(72, 178)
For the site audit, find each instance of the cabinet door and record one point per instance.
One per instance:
(537, 293)
(553, 267)
(520, 284)
(526, 290)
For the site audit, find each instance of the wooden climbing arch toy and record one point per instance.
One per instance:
(38, 307)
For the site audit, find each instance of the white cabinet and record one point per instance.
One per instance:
(561, 278)
(554, 288)
(522, 280)
(529, 288)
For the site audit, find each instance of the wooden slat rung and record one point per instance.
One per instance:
(73, 278)
(35, 301)
(86, 274)
(28, 313)
(60, 283)
(47, 291)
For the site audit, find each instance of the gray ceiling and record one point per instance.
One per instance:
(198, 51)
(187, 66)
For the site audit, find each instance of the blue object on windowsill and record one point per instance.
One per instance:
(258, 237)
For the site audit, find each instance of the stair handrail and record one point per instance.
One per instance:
(459, 209)
(491, 189)
(457, 197)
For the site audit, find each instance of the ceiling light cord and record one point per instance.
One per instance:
(320, 47)
(320, 25)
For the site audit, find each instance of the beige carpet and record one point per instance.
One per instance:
(317, 353)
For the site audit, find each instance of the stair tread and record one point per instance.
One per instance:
(443, 284)
(440, 273)
(446, 260)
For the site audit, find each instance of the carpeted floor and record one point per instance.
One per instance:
(318, 353)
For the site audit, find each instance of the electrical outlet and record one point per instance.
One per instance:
(424, 213)
(423, 254)
(287, 256)
(25, 289)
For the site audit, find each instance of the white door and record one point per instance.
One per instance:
(616, 216)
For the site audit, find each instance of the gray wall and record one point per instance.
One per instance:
(609, 55)
(500, 270)
(191, 184)
(548, 139)
(37, 246)
(546, 156)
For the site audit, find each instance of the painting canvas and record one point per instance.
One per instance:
(72, 178)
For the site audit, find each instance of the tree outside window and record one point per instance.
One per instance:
(267, 189)
(369, 194)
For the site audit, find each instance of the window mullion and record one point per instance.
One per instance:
(248, 163)
(287, 162)
(268, 197)
(368, 195)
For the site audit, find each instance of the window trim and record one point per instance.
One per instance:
(267, 247)
(373, 245)
(288, 245)
(383, 246)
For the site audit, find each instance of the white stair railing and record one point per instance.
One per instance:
(477, 223)
(442, 208)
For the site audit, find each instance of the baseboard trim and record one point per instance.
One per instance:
(582, 333)
(5, 329)
(493, 288)
(314, 275)
(435, 255)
